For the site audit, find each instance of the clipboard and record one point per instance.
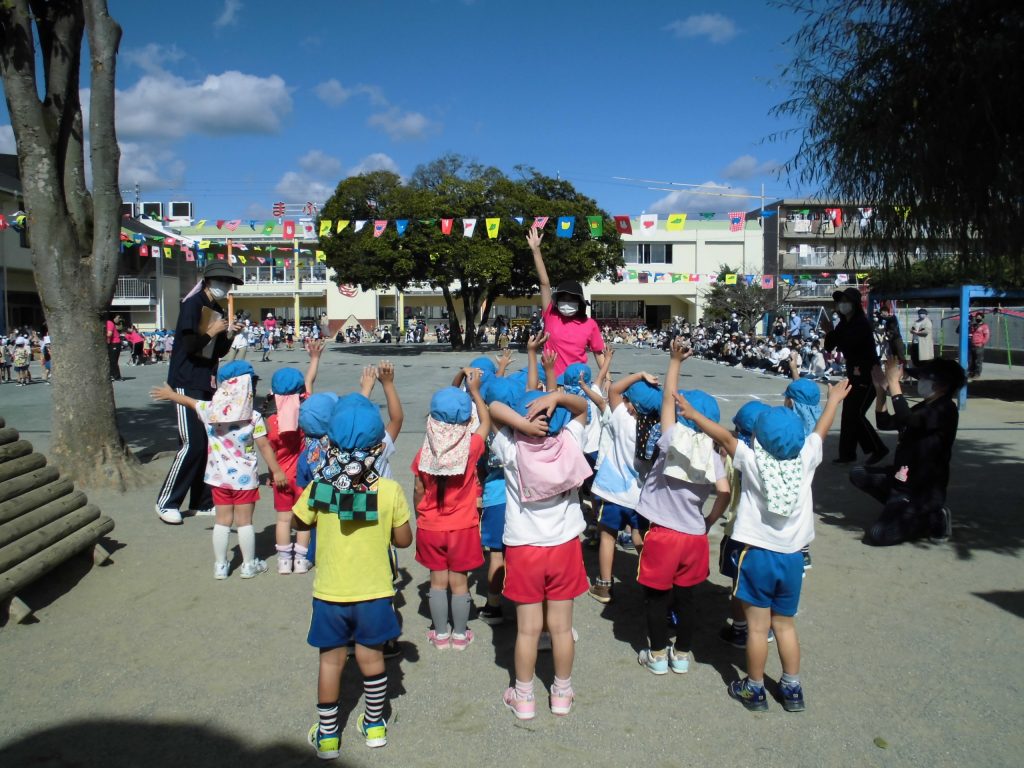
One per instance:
(208, 317)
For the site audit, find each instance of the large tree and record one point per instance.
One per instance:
(910, 107)
(477, 270)
(749, 301)
(74, 230)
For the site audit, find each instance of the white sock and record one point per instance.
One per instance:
(220, 542)
(247, 542)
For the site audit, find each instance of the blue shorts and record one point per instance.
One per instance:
(770, 579)
(615, 517)
(492, 528)
(728, 555)
(371, 622)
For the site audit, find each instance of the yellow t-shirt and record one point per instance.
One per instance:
(352, 563)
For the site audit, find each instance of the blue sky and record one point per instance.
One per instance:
(235, 104)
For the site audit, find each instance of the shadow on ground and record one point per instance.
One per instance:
(1012, 602)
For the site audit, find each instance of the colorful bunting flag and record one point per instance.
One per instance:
(268, 228)
(360, 223)
(678, 278)
(189, 256)
(768, 282)
(861, 275)
(252, 224)
(379, 225)
(493, 224)
(730, 279)
(648, 223)
(632, 274)
(661, 277)
(787, 279)
(644, 276)
(596, 224)
(694, 278)
(566, 226)
(400, 226)
(220, 223)
(325, 227)
(623, 225)
(144, 250)
(241, 258)
(427, 222)
(201, 223)
(168, 241)
(342, 223)
(836, 215)
(707, 215)
(676, 222)
(748, 279)
(288, 230)
(736, 219)
(519, 219)
(167, 252)
(842, 279)
(321, 256)
(446, 226)
(204, 244)
(468, 227)
(539, 222)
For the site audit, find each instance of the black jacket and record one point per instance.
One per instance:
(921, 461)
(855, 339)
(188, 369)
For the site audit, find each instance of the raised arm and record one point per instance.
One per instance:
(367, 380)
(545, 405)
(534, 238)
(679, 352)
(604, 378)
(836, 394)
(164, 392)
(386, 375)
(615, 390)
(548, 361)
(504, 360)
(595, 398)
(473, 385)
(314, 348)
(503, 416)
(712, 429)
(533, 345)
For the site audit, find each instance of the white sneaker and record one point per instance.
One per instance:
(169, 515)
(544, 642)
(220, 571)
(208, 512)
(301, 565)
(284, 563)
(252, 568)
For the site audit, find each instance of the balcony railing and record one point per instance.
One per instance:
(284, 276)
(818, 290)
(134, 288)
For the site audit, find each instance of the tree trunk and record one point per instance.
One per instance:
(75, 234)
(455, 335)
(470, 305)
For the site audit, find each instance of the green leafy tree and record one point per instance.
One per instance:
(749, 302)
(474, 271)
(910, 106)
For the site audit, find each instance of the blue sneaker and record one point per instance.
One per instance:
(656, 666)
(625, 541)
(679, 664)
(754, 699)
(792, 697)
(327, 745)
(376, 732)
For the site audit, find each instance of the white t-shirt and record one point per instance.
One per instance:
(238, 341)
(545, 523)
(618, 478)
(592, 431)
(383, 464)
(755, 525)
(232, 461)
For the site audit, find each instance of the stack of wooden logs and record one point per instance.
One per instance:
(44, 521)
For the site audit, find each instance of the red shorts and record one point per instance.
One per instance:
(673, 558)
(285, 500)
(449, 550)
(231, 496)
(536, 574)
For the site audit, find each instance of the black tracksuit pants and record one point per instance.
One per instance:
(185, 477)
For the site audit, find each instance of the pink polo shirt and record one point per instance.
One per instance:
(570, 338)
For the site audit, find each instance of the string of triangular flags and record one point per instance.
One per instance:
(767, 282)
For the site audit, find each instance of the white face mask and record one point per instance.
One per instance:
(568, 308)
(844, 307)
(925, 388)
(219, 288)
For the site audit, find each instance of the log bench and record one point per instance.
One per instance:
(44, 521)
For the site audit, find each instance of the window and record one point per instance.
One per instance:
(630, 309)
(603, 309)
(647, 253)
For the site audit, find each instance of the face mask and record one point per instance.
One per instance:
(219, 289)
(568, 308)
(845, 307)
(925, 388)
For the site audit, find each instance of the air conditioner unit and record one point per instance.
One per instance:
(128, 210)
(180, 209)
(153, 211)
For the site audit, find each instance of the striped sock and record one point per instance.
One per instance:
(524, 690)
(561, 686)
(375, 693)
(328, 714)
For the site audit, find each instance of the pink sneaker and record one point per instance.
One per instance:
(561, 701)
(523, 709)
(461, 643)
(441, 642)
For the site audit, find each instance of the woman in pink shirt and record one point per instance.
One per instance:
(571, 333)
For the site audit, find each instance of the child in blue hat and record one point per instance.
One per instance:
(774, 520)
(447, 491)
(235, 431)
(357, 515)
(384, 372)
(674, 560)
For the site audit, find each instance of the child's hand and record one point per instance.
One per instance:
(548, 360)
(686, 410)
(504, 360)
(163, 392)
(837, 392)
(583, 381)
(537, 342)
(544, 405)
(314, 348)
(649, 378)
(386, 372)
(680, 349)
(533, 238)
(535, 428)
(473, 378)
(367, 380)
(467, 372)
(280, 480)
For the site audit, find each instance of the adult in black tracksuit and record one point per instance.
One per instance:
(913, 489)
(192, 371)
(854, 337)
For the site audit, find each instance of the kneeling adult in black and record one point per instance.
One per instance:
(913, 489)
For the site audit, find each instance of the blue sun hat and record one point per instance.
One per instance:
(506, 390)
(703, 403)
(315, 413)
(558, 419)
(780, 432)
(806, 397)
(234, 369)
(521, 377)
(646, 398)
(451, 405)
(746, 417)
(287, 381)
(355, 423)
(486, 365)
(571, 376)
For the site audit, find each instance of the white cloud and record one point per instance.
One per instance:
(149, 166)
(401, 126)
(332, 93)
(319, 163)
(295, 187)
(378, 161)
(747, 167)
(229, 15)
(169, 107)
(711, 196)
(151, 58)
(714, 26)
(7, 145)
